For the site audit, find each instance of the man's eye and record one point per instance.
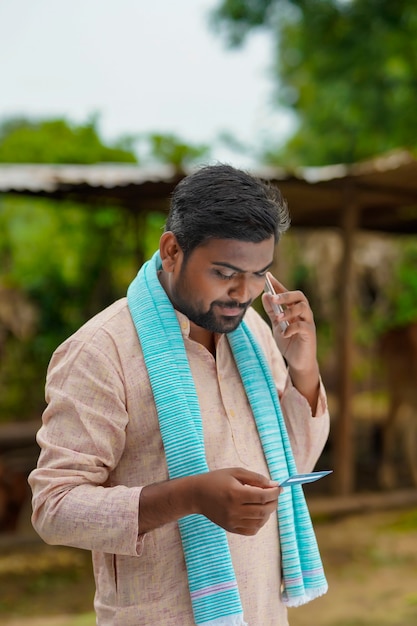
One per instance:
(224, 276)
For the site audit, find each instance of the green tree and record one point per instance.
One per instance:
(170, 149)
(59, 141)
(59, 262)
(347, 68)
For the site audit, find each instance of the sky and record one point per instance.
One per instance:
(142, 66)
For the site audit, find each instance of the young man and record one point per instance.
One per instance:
(163, 443)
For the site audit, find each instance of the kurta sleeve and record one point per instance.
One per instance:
(308, 434)
(82, 439)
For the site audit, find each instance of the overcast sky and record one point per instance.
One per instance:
(143, 65)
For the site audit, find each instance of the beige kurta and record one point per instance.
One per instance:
(100, 442)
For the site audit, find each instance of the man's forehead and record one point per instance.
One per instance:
(238, 254)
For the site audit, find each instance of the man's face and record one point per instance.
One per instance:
(219, 281)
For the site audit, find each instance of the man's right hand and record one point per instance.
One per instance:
(238, 500)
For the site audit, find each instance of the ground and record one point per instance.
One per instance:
(371, 564)
(370, 561)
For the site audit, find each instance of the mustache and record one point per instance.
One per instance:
(232, 304)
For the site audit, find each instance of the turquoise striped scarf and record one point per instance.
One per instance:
(212, 583)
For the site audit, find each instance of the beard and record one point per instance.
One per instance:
(216, 323)
(211, 319)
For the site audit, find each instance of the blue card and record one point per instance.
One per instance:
(304, 478)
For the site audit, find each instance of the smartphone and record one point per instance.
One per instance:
(277, 307)
(304, 478)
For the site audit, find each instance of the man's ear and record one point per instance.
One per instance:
(170, 251)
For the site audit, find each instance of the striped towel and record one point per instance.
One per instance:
(212, 583)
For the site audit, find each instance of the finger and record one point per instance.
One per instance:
(276, 315)
(301, 329)
(256, 496)
(298, 311)
(279, 287)
(256, 511)
(291, 298)
(247, 477)
(252, 522)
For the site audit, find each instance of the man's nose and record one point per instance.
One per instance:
(240, 290)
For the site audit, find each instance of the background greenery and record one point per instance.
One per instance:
(346, 68)
(348, 71)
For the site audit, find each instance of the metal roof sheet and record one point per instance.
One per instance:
(385, 188)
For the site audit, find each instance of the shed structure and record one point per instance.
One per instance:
(378, 195)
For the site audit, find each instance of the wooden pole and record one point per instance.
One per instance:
(343, 450)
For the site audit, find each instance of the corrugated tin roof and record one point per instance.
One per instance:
(385, 188)
(37, 177)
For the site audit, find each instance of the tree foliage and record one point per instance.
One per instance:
(170, 149)
(58, 141)
(60, 262)
(53, 255)
(347, 68)
(401, 293)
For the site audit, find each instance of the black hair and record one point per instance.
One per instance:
(221, 202)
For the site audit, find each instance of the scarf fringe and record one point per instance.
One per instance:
(309, 595)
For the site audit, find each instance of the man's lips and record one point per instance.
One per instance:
(231, 311)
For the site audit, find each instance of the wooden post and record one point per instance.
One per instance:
(343, 448)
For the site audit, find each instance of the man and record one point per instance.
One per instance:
(163, 443)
